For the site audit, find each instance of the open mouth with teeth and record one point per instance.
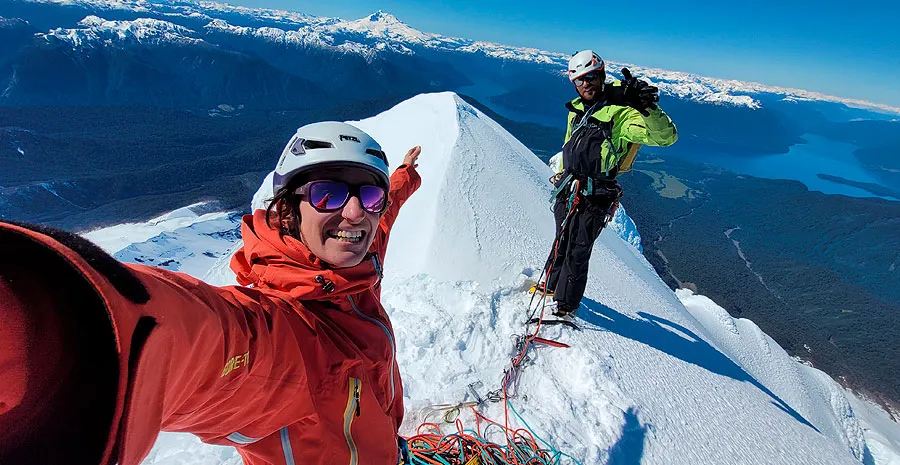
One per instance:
(346, 236)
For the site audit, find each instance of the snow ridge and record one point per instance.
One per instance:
(96, 31)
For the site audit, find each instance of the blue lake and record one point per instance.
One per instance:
(803, 163)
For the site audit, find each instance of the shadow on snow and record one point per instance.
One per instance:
(629, 449)
(677, 341)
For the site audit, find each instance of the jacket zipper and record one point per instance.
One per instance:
(350, 413)
(387, 333)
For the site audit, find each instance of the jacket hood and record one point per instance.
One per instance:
(268, 259)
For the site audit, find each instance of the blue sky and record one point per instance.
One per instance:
(836, 48)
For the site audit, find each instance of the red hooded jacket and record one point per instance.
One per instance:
(299, 367)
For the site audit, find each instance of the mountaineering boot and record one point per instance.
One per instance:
(564, 310)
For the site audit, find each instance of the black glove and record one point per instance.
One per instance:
(638, 94)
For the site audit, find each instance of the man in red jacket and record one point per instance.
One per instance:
(295, 367)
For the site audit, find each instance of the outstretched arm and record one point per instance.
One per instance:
(638, 119)
(655, 129)
(404, 181)
(97, 357)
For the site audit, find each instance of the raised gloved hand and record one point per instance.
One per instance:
(638, 94)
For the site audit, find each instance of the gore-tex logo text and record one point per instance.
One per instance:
(238, 361)
(353, 138)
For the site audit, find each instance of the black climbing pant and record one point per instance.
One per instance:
(568, 274)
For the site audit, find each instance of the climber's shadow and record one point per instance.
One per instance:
(629, 449)
(677, 341)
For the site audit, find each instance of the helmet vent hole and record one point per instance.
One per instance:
(377, 153)
(317, 144)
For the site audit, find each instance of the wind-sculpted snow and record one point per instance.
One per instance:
(653, 378)
(383, 33)
(763, 358)
(882, 432)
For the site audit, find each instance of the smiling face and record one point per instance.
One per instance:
(340, 238)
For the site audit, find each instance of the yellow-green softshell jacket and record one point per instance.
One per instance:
(630, 130)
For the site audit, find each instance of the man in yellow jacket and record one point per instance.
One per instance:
(607, 124)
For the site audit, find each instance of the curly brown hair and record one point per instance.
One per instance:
(284, 208)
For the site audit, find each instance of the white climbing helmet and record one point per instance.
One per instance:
(584, 62)
(329, 144)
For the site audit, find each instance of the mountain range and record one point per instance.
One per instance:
(279, 55)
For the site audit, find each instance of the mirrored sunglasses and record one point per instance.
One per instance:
(592, 76)
(329, 196)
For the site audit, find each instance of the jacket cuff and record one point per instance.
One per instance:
(413, 173)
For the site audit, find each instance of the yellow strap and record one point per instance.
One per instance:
(627, 161)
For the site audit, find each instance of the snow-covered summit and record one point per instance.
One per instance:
(383, 26)
(381, 21)
(653, 378)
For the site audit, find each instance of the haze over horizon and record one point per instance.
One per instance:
(796, 48)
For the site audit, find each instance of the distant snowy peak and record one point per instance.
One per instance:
(384, 25)
(94, 30)
(381, 26)
(381, 16)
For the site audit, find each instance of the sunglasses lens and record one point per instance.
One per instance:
(373, 198)
(328, 195)
(587, 78)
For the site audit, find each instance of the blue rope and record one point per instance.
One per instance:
(522, 451)
(556, 452)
